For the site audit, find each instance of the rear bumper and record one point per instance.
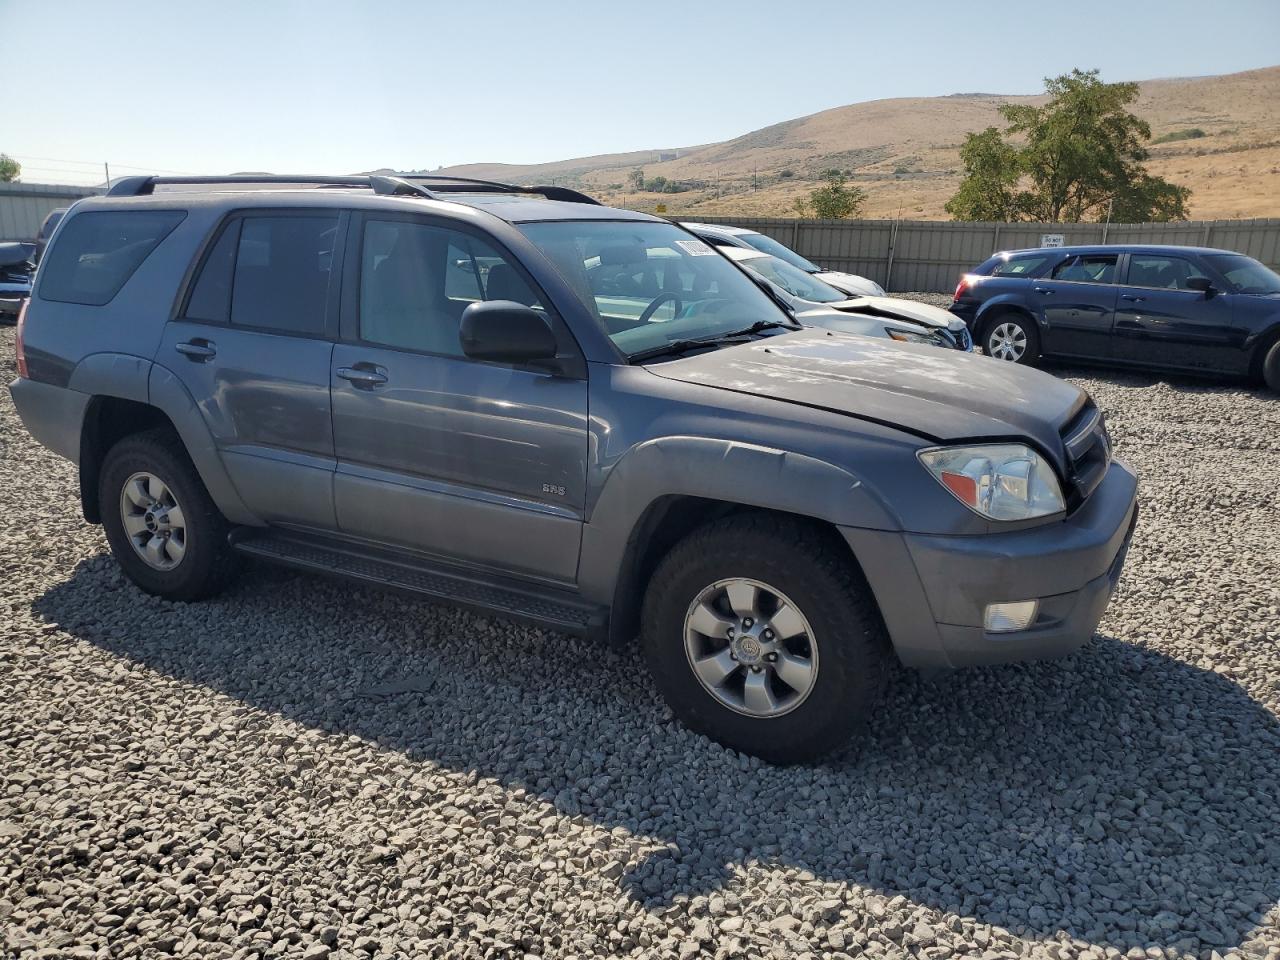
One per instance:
(53, 415)
(933, 590)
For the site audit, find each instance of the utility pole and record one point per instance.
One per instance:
(107, 170)
(1107, 226)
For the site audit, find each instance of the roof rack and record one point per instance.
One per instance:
(385, 185)
(441, 183)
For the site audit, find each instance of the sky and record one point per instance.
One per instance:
(320, 86)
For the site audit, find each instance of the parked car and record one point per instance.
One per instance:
(589, 433)
(1191, 309)
(47, 226)
(818, 304)
(16, 270)
(719, 235)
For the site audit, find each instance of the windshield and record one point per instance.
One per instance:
(1245, 274)
(648, 284)
(796, 282)
(769, 245)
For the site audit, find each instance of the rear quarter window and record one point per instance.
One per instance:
(98, 252)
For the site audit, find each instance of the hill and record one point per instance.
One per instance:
(1220, 136)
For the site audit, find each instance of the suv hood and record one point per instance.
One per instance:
(941, 395)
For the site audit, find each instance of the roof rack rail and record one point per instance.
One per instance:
(386, 185)
(442, 183)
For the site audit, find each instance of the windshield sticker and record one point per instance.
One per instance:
(695, 248)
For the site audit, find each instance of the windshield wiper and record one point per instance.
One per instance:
(676, 347)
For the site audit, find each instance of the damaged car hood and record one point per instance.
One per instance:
(941, 395)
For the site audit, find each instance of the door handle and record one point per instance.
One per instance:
(1043, 291)
(1131, 298)
(361, 377)
(198, 351)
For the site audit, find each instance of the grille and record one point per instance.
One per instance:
(1088, 448)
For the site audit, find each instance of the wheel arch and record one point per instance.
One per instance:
(664, 489)
(1262, 346)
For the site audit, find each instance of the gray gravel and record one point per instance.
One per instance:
(307, 769)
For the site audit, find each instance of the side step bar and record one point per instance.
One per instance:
(543, 607)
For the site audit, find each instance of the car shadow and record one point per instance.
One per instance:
(1065, 780)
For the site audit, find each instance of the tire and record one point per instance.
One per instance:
(1271, 367)
(844, 637)
(194, 561)
(1011, 337)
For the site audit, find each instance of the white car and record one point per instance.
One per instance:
(818, 304)
(719, 235)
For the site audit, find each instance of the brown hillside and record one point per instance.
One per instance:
(905, 154)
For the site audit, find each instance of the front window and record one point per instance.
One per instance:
(648, 284)
(794, 280)
(1245, 274)
(759, 241)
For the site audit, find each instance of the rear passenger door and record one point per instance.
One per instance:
(468, 460)
(252, 344)
(1077, 301)
(1161, 321)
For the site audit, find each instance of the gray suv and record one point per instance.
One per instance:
(518, 400)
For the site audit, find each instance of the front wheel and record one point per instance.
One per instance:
(1012, 338)
(762, 634)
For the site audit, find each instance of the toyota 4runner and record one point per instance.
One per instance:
(518, 400)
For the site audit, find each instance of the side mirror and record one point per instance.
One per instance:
(1203, 284)
(506, 332)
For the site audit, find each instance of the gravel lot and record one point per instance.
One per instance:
(307, 769)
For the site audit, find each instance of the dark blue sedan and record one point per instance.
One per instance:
(1175, 308)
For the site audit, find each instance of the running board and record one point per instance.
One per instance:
(543, 607)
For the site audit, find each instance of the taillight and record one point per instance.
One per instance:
(961, 287)
(19, 354)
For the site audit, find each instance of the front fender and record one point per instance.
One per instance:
(726, 471)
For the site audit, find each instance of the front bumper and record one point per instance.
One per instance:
(933, 590)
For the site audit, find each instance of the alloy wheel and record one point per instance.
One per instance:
(154, 521)
(751, 647)
(1007, 341)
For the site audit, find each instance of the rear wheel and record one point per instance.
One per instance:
(1011, 337)
(163, 527)
(1271, 367)
(762, 634)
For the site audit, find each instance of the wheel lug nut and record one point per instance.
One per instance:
(731, 631)
(771, 657)
(768, 634)
(748, 623)
(733, 656)
(757, 668)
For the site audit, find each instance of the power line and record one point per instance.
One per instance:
(97, 164)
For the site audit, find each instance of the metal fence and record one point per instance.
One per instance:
(930, 255)
(23, 206)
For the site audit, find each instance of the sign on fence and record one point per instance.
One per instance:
(1052, 239)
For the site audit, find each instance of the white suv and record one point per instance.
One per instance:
(720, 235)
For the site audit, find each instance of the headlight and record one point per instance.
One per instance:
(1001, 481)
(904, 336)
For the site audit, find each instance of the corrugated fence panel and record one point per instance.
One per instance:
(930, 255)
(23, 206)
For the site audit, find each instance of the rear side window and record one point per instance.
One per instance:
(1087, 268)
(98, 252)
(1019, 266)
(268, 272)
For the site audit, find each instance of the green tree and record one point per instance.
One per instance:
(10, 169)
(636, 179)
(989, 190)
(836, 199)
(1069, 160)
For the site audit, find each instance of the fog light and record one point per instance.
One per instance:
(1006, 617)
